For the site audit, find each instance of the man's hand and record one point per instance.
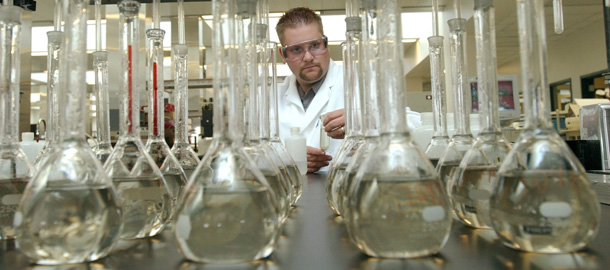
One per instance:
(316, 159)
(334, 124)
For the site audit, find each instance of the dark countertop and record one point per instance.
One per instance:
(314, 238)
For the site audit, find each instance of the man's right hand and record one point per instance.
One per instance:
(316, 159)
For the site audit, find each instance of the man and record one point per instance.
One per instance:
(315, 88)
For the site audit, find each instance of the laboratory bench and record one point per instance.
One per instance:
(314, 238)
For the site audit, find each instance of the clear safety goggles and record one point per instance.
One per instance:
(296, 52)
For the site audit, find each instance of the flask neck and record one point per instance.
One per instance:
(461, 100)
(368, 66)
(439, 100)
(9, 75)
(229, 81)
(264, 52)
(53, 129)
(390, 77)
(487, 80)
(73, 66)
(352, 74)
(180, 52)
(128, 47)
(533, 63)
(100, 66)
(156, 108)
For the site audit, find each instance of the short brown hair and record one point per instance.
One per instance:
(297, 17)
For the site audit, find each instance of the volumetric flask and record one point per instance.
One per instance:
(228, 212)
(475, 178)
(70, 211)
(543, 201)
(147, 199)
(462, 139)
(353, 113)
(156, 146)
(398, 207)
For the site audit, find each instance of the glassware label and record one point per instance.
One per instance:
(537, 230)
(183, 226)
(555, 209)
(11, 199)
(433, 213)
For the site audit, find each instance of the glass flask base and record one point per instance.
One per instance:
(237, 226)
(470, 195)
(411, 218)
(544, 211)
(146, 206)
(68, 225)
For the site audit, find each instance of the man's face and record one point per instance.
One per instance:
(312, 67)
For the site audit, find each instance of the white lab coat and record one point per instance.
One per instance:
(291, 113)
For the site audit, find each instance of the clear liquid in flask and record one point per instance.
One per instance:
(227, 226)
(72, 219)
(332, 189)
(544, 211)
(409, 219)
(447, 171)
(146, 205)
(471, 196)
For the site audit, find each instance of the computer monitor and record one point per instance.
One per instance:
(508, 93)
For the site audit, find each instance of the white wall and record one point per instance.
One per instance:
(569, 57)
(577, 54)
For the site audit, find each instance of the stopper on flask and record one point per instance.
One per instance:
(353, 24)
(181, 49)
(479, 4)
(295, 131)
(100, 56)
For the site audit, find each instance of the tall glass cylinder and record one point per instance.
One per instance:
(53, 127)
(462, 138)
(147, 198)
(156, 146)
(353, 113)
(543, 201)
(227, 186)
(15, 168)
(182, 149)
(440, 139)
(474, 179)
(103, 149)
(70, 211)
(398, 206)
